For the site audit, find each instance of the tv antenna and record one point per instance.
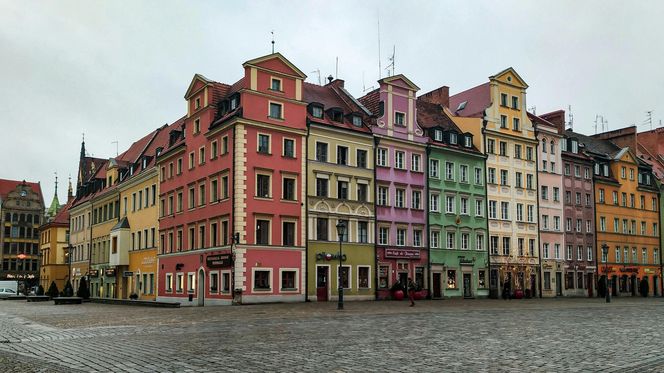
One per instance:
(317, 71)
(116, 147)
(649, 118)
(272, 32)
(391, 59)
(571, 118)
(380, 69)
(533, 110)
(364, 88)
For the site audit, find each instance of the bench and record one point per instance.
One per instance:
(68, 300)
(38, 298)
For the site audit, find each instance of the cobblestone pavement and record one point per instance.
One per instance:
(572, 335)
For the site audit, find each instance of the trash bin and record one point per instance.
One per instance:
(237, 296)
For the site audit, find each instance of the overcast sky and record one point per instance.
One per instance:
(116, 70)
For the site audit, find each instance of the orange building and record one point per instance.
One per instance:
(627, 218)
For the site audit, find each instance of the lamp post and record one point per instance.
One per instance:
(68, 254)
(605, 252)
(341, 230)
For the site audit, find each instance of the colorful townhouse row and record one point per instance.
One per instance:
(248, 197)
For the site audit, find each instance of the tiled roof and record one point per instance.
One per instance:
(333, 97)
(431, 115)
(371, 100)
(7, 186)
(62, 217)
(477, 99)
(594, 145)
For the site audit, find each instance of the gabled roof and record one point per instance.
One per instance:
(371, 100)
(277, 55)
(194, 80)
(8, 186)
(408, 82)
(598, 146)
(430, 115)
(331, 96)
(62, 217)
(122, 224)
(477, 99)
(510, 70)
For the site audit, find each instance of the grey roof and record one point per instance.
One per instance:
(595, 145)
(122, 224)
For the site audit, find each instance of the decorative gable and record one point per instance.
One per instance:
(511, 77)
(197, 83)
(276, 62)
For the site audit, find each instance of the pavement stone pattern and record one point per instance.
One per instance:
(539, 335)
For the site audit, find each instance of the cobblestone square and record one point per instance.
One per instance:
(472, 335)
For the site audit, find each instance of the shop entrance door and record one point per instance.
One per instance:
(201, 287)
(437, 291)
(559, 283)
(403, 278)
(590, 284)
(322, 274)
(467, 286)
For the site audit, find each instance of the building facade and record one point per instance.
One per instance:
(54, 233)
(401, 215)
(510, 145)
(21, 214)
(340, 190)
(457, 205)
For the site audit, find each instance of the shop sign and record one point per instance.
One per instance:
(631, 270)
(465, 261)
(127, 274)
(329, 256)
(109, 272)
(402, 253)
(148, 260)
(648, 270)
(94, 273)
(219, 261)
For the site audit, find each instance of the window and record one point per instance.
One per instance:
(478, 175)
(492, 175)
(464, 206)
(382, 157)
(362, 195)
(179, 285)
(531, 213)
(602, 224)
(517, 151)
(615, 198)
(342, 189)
(545, 192)
(545, 222)
(601, 196)
(503, 99)
(383, 235)
(433, 168)
(529, 153)
(492, 209)
(589, 228)
(201, 194)
(515, 102)
(545, 251)
(503, 121)
(399, 160)
(317, 111)
(503, 148)
(543, 145)
(321, 152)
(275, 111)
(362, 231)
(399, 119)
(588, 200)
(345, 277)
(263, 186)
(463, 171)
(342, 155)
(382, 196)
(224, 145)
(361, 158)
(644, 256)
(363, 277)
(288, 280)
(449, 204)
(465, 241)
(468, 141)
(289, 148)
(416, 200)
(169, 283)
(264, 144)
(214, 282)
(493, 245)
(321, 229)
(491, 146)
(415, 162)
(434, 203)
(529, 182)
(357, 121)
(519, 212)
(451, 238)
(531, 247)
(506, 245)
(453, 138)
(417, 238)
(449, 170)
(401, 237)
(399, 198)
(515, 124)
(288, 233)
(321, 187)
(262, 232)
(504, 178)
(586, 173)
(631, 174)
(262, 280)
(479, 242)
(435, 239)
(504, 210)
(578, 198)
(275, 84)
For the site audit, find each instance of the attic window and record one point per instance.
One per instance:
(317, 111)
(234, 102)
(453, 138)
(275, 84)
(197, 105)
(575, 146)
(438, 135)
(468, 141)
(336, 115)
(462, 106)
(145, 163)
(357, 121)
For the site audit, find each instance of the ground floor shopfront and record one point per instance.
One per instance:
(626, 280)
(553, 274)
(141, 274)
(106, 281)
(243, 275)
(357, 276)
(78, 271)
(459, 274)
(399, 264)
(514, 277)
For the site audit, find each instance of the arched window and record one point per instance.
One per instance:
(544, 145)
(553, 149)
(22, 217)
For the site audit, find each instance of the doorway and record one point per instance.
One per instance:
(201, 287)
(322, 275)
(533, 285)
(467, 285)
(655, 285)
(437, 289)
(559, 284)
(634, 285)
(403, 278)
(590, 283)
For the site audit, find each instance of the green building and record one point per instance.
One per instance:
(457, 206)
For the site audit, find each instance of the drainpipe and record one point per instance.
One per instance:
(305, 183)
(486, 211)
(537, 211)
(428, 233)
(232, 217)
(596, 239)
(376, 140)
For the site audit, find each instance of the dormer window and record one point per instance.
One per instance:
(468, 141)
(336, 115)
(563, 145)
(131, 170)
(275, 84)
(453, 138)
(145, 163)
(317, 111)
(234, 102)
(399, 119)
(438, 135)
(606, 170)
(357, 121)
(575, 146)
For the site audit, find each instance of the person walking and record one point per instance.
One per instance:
(412, 287)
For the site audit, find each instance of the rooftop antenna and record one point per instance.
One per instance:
(571, 117)
(380, 69)
(116, 147)
(272, 32)
(391, 59)
(336, 69)
(364, 88)
(596, 116)
(317, 71)
(649, 114)
(533, 110)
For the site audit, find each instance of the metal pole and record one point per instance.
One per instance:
(340, 305)
(605, 249)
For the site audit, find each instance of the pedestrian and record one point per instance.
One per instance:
(412, 287)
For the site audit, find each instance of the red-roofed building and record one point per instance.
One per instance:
(234, 172)
(21, 213)
(54, 242)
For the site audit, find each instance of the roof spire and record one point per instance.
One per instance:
(55, 203)
(70, 190)
(83, 147)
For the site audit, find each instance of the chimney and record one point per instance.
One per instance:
(556, 117)
(339, 83)
(440, 96)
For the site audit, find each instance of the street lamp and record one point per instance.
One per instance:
(341, 230)
(70, 248)
(605, 251)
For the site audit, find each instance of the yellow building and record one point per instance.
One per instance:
(54, 242)
(510, 145)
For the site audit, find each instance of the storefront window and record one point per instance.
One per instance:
(419, 277)
(214, 281)
(363, 277)
(494, 279)
(451, 279)
(547, 280)
(226, 282)
(481, 279)
(383, 274)
(262, 280)
(345, 277)
(579, 280)
(169, 283)
(288, 280)
(569, 280)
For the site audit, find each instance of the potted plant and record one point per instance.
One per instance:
(133, 296)
(397, 290)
